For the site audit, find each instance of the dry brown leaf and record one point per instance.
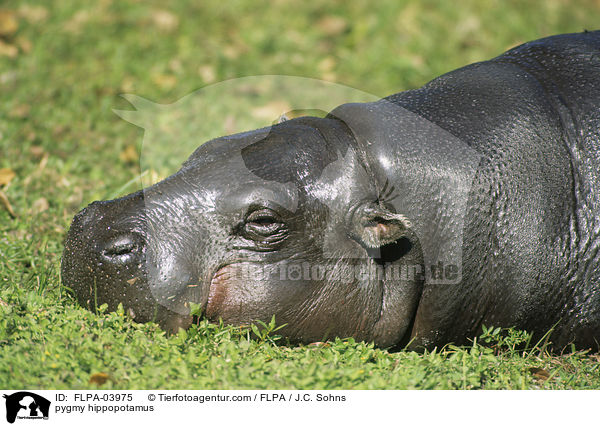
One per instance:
(8, 77)
(131, 313)
(43, 162)
(329, 76)
(79, 19)
(37, 151)
(229, 125)
(319, 344)
(408, 20)
(8, 23)
(6, 204)
(539, 373)
(9, 50)
(20, 111)
(150, 177)
(175, 65)
(231, 51)
(165, 20)
(33, 14)
(207, 73)
(128, 85)
(271, 111)
(24, 44)
(332, 25)
(59, 130)
(132, 281)
(99, 378)
(129, 154)
(76, 197)
(469, 26)
(40, 205)
(6, 175)
(165, 81)
(327, 64)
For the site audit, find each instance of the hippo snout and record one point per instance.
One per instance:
(104, 261)
(104, 257)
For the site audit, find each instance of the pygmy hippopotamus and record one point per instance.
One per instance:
(472, 200)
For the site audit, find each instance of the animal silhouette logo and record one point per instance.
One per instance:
(26, 405)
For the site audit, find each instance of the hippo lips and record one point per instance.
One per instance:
(217, 291)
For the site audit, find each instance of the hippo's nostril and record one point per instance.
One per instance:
(121, 247)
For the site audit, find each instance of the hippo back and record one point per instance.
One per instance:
(531, 244)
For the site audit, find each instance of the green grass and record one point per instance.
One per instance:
(59, 135)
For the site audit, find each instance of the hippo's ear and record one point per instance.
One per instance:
(373, 226)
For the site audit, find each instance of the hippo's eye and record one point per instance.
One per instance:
(264, 224)
(264, 221)
(262, 218)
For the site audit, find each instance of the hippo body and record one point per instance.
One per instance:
(490, 173)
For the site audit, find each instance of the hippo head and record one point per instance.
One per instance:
(288, 221)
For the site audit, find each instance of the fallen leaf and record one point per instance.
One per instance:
(8, 77)
(99, 378)
(9, 50)
(8, 23)
(20, 111)
(24, 44)
(129, 154)
(33, 14)
(36, 150)
(76, 196)
(539, 373)
(132, 281)
(40, 205)
(19, 234)
(231, 52)
(6, 175)
(327, 64)
(105, 91)
(165, 20)
(468, 27)
(229, 125)
(150, 177)
(408, 20)
(6, 204)
(128, 85)
(332, 25)
(319, 344)
(207, 73)
(59, 130)
(131, 313)
(3, 303)
(175, 65)
(79, 19)
(272, 110)
(43, 162)
(329, 76)
(165, 81)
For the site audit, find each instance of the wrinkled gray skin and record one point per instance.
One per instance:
(314, 190)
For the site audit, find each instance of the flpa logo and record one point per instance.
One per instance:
(26, 405)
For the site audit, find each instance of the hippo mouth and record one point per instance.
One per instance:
(234, 296)
(217, 291)
(387, 320)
